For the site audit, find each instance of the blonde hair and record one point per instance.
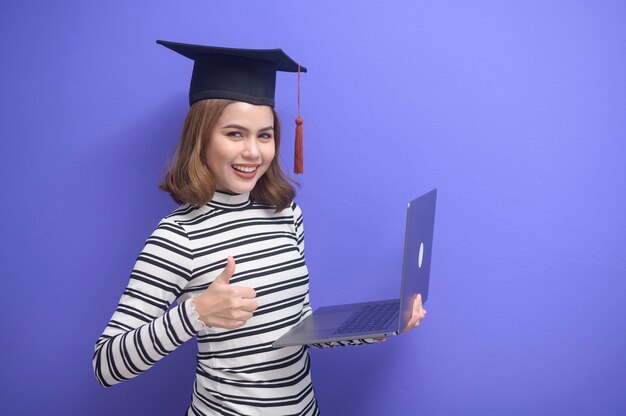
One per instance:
(189, 179)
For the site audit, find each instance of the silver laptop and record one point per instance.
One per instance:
(379, 318)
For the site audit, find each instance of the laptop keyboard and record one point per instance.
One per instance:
(370, 318)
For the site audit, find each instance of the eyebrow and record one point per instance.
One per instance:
(239, 127)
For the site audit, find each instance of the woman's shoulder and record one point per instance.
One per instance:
(183, 213)
(297, 216)
(295, 208)
(183, 216)
(291, 209)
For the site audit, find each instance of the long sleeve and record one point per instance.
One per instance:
(237, 370)
(298, 222)
(142, 329)
(307, 310)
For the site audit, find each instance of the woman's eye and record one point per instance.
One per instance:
(234, 134)
(265, 136)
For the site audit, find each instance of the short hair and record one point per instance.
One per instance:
(189, 179)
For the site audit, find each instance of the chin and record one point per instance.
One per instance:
(242, 188)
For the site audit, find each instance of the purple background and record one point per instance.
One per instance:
(514, 110)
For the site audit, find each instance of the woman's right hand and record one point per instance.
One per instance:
(223, 305)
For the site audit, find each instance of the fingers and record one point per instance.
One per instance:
(225, 276)
(228, 271)
(417, 303)
(417, 314)
(238, 315)
(244, 292)
(249, 305)
(223, 305)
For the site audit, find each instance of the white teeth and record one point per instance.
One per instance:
(244, 168)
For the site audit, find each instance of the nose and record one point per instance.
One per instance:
(251, 149)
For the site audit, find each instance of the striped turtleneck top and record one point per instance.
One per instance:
(238, 372)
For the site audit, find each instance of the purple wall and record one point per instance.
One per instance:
(515, 110)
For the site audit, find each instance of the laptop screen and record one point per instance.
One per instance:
(418, 242)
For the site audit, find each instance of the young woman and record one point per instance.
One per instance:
(231, 256)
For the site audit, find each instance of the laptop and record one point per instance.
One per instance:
(381, 318)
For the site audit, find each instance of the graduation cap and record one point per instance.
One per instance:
(247, 75)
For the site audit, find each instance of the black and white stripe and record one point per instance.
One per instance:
(238, 372)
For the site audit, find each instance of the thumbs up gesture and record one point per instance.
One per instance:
(223, 305)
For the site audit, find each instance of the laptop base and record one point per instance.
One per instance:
(321, 325)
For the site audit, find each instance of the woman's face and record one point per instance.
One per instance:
(241, 146)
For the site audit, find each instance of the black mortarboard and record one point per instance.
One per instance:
(237, 74)
(247, 75)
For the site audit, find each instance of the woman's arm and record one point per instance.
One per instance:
(142, 329)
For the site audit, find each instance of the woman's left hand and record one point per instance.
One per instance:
(417, 314)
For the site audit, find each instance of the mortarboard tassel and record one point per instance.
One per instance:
(298, 163)
(298, 154)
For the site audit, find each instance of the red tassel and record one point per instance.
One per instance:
(298, 154)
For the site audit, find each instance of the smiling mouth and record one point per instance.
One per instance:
(245, 169)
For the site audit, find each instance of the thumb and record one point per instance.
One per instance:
(228, 271)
